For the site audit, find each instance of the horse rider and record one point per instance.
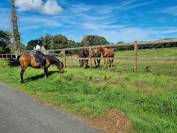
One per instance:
(40, 53)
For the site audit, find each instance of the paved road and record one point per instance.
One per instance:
(19, 113)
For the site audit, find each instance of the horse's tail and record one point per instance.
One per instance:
(14, 62)
(17, 60)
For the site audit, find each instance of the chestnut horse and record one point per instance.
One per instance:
(26, 60)
(84, 55)
(96, 53)
(109, 54)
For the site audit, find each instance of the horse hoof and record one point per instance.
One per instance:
(60, 72)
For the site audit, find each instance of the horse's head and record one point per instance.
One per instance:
(96, 51)
(86, 53)
(83, 53)
(61, 67)
(101, 49)
(54, 61)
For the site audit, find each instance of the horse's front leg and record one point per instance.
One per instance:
(95, 61)
(21, 74)
(105, 60)
(81, 62)
(86, 63)
(45, 72)
(112, 62)
(107, 63)
(98, 61)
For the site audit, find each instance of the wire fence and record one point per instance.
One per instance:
(131, 62)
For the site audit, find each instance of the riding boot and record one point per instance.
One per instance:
(43, 63)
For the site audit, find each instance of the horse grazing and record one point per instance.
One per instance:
(96, 53)
(84, 55)
(26, 60)
(109, 54)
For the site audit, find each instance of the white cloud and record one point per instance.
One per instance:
(137, 33)
(123, 34)
(132, 4)
(51, 7)
(170, 10)
(128, 33)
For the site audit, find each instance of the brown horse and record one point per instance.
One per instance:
(109, 54)
(96, 53)
(84, 55)
(26, 60)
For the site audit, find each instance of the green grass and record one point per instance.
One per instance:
(148, 99)
(162, 67)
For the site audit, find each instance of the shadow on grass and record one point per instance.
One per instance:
(36, 77)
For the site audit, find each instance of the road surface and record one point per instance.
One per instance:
(19, 113)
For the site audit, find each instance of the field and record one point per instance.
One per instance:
(157, 66)
(149, 99)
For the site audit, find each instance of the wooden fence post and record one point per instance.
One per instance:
(65, 58)
(90, 56)
(136, 56)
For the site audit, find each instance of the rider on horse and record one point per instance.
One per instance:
(40, 53)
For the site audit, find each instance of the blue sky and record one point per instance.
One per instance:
(116, 20)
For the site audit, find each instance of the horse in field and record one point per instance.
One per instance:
(26, 60)
(96, 53)
(108, 55)
(84, 55)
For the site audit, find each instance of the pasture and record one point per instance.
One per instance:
(148, 98)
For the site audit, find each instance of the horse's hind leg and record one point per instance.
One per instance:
(45, 72)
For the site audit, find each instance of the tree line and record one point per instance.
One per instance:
(60, 41)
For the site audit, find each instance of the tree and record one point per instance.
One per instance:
(91, 40)
(60, 41)
(16, 35)
(31, 44)
(120, 42)
(4, 42)
(71, 44)
(47, 41)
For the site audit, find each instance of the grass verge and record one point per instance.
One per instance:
(149, 100)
